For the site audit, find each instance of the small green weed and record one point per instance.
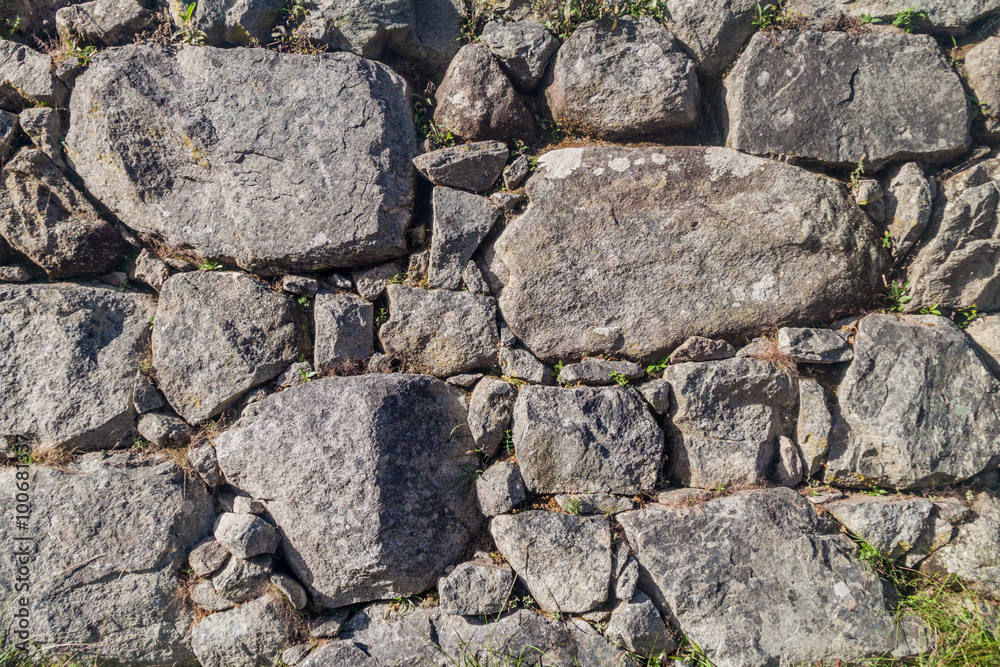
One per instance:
(303, 302)
(659, 366)
(573, 506)
(909, 19)
(858, 172)
(966, 316)
(932, 309)
(619, 379)
(869, 19)
(769, 16)
(397, 279)
(9, 27)
(209, 265)
(307, 376)
(382, 317)
(897, 295)
(187, 32)
(83, 54)
(508, 440)
(875, 491)
(887, 240)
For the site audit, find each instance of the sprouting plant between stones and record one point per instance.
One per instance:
(909, 19)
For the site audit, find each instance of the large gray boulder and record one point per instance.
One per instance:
(917, 407)
(585, 440)
(69, 355)
(622, 78)
(345, 333)
(364, 28)
(833, 98)
(712, 31)
(974, 555)
(27, 78)
(310, 171)
(365, 478)
(982, 65)
(892, 525)
(625, 272)
(251, 635)
(107, 22)
(216, 335)
(752, 580)
(108, 536)
(957, 262)
(948, 17)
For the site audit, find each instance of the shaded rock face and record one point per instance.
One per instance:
(250, 635)
(833, 98)
(892, 526)
(363, 477)
(623, 78)
(791, 594)
(110, 534)
(974, 555)
(772, 243)
(523, 48)
(27, 79)
(949, 17)
(917, 407)
(78, 393)
(109, 22)
(712, 31)
(981, 66)
(174, 143)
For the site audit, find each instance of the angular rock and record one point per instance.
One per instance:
(891, 525)
(523, 48)
(241, 580)
(328, 627)
(597, 371)
(300, 285)
(15, 274)
(107, 22)
(150, 270)
(204, 596)
(916, 409)
(395, 635)
(871, 198)
(345, 330)
(108, 544)
(465, 380)
(461, 222)
(909, 200)
(44, 217)
(473, 167)
(337, 653)
(625, 574)
(163, 429)
(565, 561)
(490, 408)
(500, 488)
(476, 589)
(981, 66)
(145, 396)
(216, 335)
(477, 101)
(27, 79)
(440, 332)
(699, 348)
(293, 655)
(472, 277)
(657, 394)
(291, 589)
(636, 624)
(585, 440)
(78, 394)
(743, 553)
(948, 17)
(812, 430)
(974, 555)
(246, 535)
(314, 175)
(364, 28)
(252, 634)
(9, 124)
(523, 365)
(814, 346)
(371, 282)
(360, 476)
(44, 126)
(247, 505)
(515, 174)
(985, 333)
(773, 243)
(593, 503)
(205, 463)
(726, 421)
(207, 557)
(713, 32)
(788, 470)
(623, 78)
(833, 97)
(436, 35)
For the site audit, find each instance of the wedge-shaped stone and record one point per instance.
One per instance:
(27, 78)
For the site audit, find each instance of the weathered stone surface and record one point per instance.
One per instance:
(247, 505)
(893, 526)
(636, 624)
(311, 171)
(207, 557)
(474, 167)
(216, 335)
(788, 468)
(43, 216)
(109, 534)
(625, 574)
(371, 282)
(15, 274)
(974, 555)
(565, 561)
(337, 653)
(712, 31)
(957, 262)
(812, 430)
(773, 243)
(657, 394)
(917, 407)
(523, 48)
(252, 635)
(585, 440)
(9, 124)
(291, 589)
(163, 429)
(490, 408)
(621, 78)
(814, 346)
(150, 270)
(477, 101)
(78, 394)
(520, 364)
(500, 488)
(726, 420)
(723, 570)
(597, 371)
(461, 222)
(204, 462)
(231, 21)
(473, 279)
(949, 17)
(44, 126)
(909, 199)
(474, 588)
(204, 596)
(985, 333)
(345, 330)
(514, 176)
(246, 535)
(27, 79)
(440, 332)
(359, 475)
(436, 34)
(699, 348)
(981, 67)
(593, 503)
(107, 22)
(833, 97)
(300, 285)
(364, 28)
(241, 580)
(296, 653)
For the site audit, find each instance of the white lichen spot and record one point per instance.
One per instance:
(640, 161)
(841, 589)
(605, 331)
(763, 78)
(727, 162)
(599, 171)
(659, 158)
(620, 164)
(561, 163)
(764, 288)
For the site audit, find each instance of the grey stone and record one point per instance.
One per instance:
(208, 557)
(812, 430)
(473, 167)
(297, 373)
(506, 201)
(868, 192)
(909, 199)
(396, 635)
(523, 365)
(683, 497)
(917, 408)
(27, 79)
(203, 460)
(163, 429)
(985, 333)
(247, 505)
(652, 281)
(300, 285)
(293, 655)
(345, 330)
(722, 571)
(623, 78)
(981, 65)
(712, 31)
(45, 217)
(475, 589)
(523, 48)
(314, 175)
(699, 348)
(115, 278)
(490, 408)
(472, 277)
(145, 396)
(150, 270)
(516, 173)
(381, 363)
(216, 335)
(440, 332)
(565, 561)
(814, 346)
(364, 28)
(833, 98)
(9, 124)
(892, 525)
(108, 535)
(465, 380)
(246, 535)
(636, 624)
(44, 126)
(593, 503)
(500, 488)
(823, 498)
(251, 635)
(371, 282)
(241, 580)
(974, 554)
(726, 420)
(585, 440)
(107, 22)
(231, 21)
(625, 574)
(359, 474)
(436, 35)
(788, 469)
(461, 222)
(204, 595)
(477, 101)
(948, 17)
(78, 394)
(291, 589)
(328, 627)
(338, 653)
(657, 394)
(597, 371)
